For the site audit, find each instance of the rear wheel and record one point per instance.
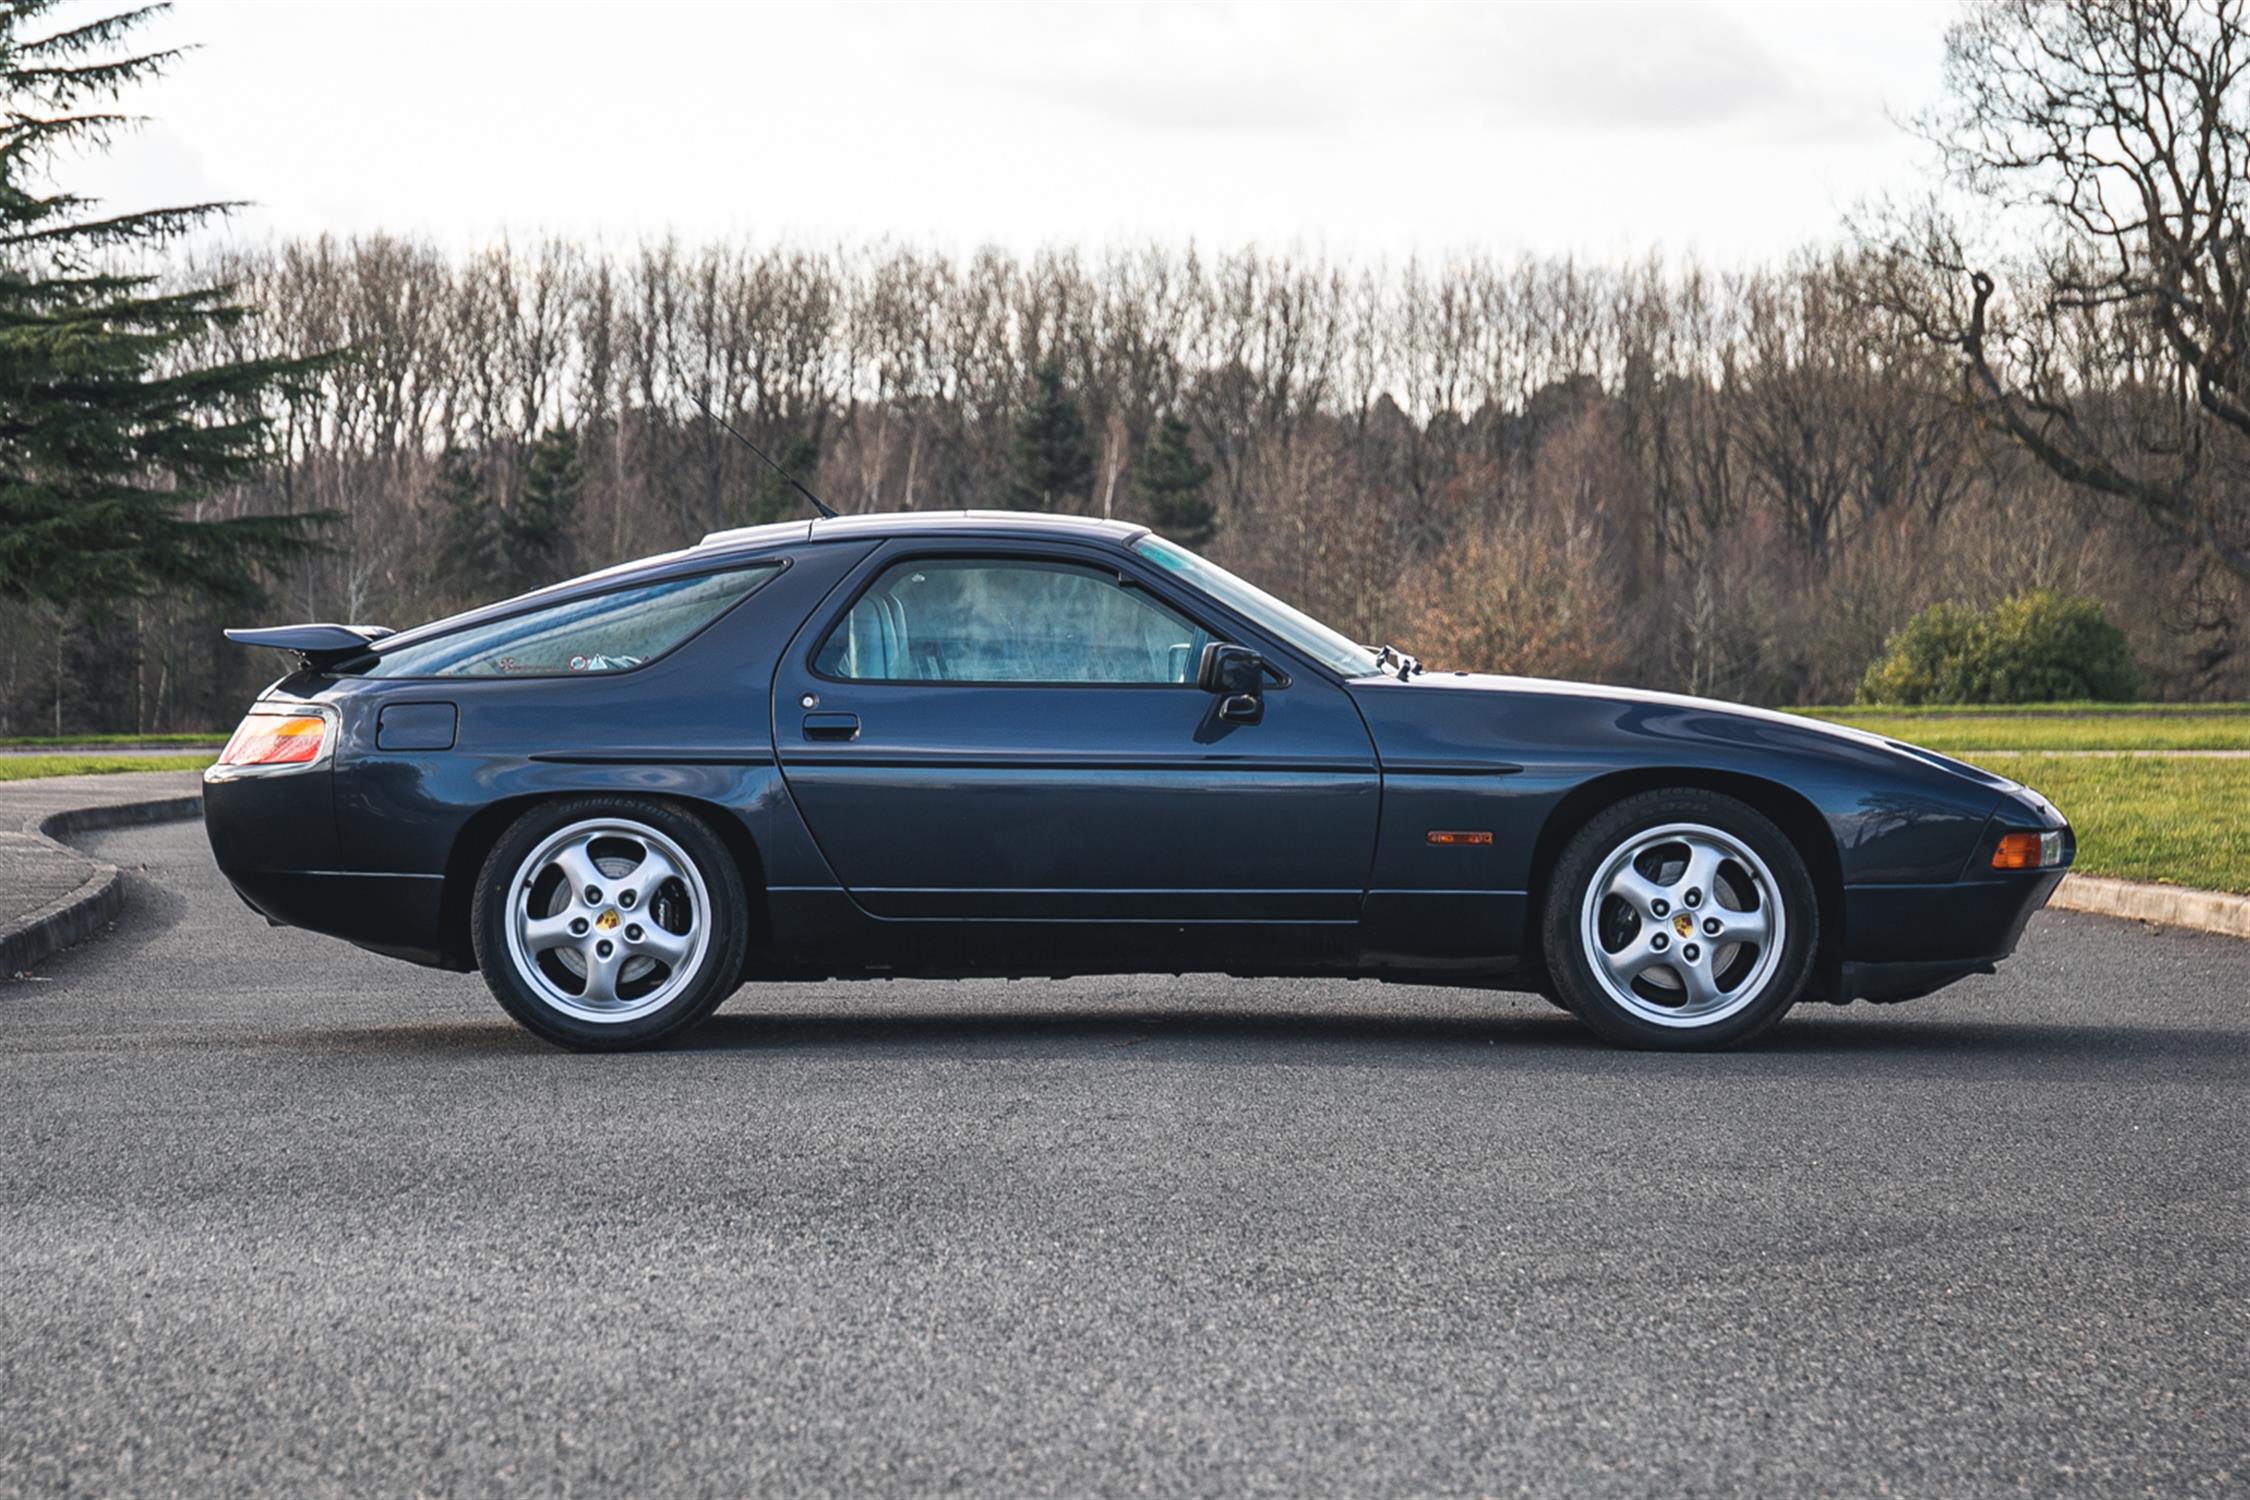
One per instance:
(607, 923)
(1681, 919)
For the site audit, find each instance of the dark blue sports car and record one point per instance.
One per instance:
(1006, 744)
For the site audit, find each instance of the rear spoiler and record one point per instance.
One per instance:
(315, 645)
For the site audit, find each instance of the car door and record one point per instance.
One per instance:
(1013, 731)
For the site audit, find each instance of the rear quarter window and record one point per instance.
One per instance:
(612, 632)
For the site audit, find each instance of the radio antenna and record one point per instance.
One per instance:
(817, 503)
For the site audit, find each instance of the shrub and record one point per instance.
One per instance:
(2035, 647)
(1923, 663)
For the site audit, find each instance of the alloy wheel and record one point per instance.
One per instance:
(1683, 925)
(608, 920)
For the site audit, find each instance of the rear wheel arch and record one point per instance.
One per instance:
(474, 844)
(1788, 808)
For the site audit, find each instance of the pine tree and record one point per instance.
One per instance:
(1053, 461)
(1169, 480)
(468, 528)
(537, 532)
(110, 430)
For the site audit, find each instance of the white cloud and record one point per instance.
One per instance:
(1380, 129)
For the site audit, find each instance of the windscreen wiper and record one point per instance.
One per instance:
(1406, 666)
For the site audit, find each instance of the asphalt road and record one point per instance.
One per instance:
(277, 1216)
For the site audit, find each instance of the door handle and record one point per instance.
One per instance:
(831, 726)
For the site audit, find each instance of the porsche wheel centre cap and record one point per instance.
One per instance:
(608, 920)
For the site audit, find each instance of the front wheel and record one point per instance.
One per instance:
(1681, 919)
(603, 923)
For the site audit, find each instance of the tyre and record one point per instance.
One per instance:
(1680, 919)
(604, 923)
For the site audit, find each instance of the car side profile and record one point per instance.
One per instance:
(963, 744)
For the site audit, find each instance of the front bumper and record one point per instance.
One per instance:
(1903, 941)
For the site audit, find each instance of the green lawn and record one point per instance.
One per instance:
(97, 741)
(2018, 710)
(28, 767)
(2153, 726)
(2182, 822)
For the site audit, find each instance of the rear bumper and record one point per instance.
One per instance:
(274, 837)
(396, 915)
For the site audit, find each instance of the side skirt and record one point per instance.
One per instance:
(1463, 938)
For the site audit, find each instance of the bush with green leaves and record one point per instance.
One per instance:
(2034, 647)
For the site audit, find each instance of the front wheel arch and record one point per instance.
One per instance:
(1786, 807)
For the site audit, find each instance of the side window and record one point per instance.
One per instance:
(604, 633)
(1008, 620)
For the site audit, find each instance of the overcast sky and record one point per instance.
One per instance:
(1737, 130)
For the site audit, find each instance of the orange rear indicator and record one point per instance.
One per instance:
(2027, 851)
(276, 740)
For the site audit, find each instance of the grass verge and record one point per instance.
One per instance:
(2156, 726)
(97, 741)
(2181, 822)
(32, 767)
(2076, 709)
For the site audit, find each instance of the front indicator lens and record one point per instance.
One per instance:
(276, 740)
(2028, 851)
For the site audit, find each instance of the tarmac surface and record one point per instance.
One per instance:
(52, 893)
(280, 1217)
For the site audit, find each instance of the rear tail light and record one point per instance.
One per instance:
(2028, 851)
(268, 739)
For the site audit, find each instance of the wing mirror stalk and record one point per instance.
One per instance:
(1237, 675)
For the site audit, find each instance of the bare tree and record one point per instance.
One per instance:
(1739, 483)
(2112, 138)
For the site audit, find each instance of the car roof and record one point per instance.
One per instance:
(924, 523)
(723, 547)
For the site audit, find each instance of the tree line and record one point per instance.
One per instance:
(1730, 483)
(1734, 482)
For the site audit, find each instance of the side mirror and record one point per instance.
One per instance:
(1230, 669)
(1237, 675)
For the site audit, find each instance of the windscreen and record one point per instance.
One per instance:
(1337, 652)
